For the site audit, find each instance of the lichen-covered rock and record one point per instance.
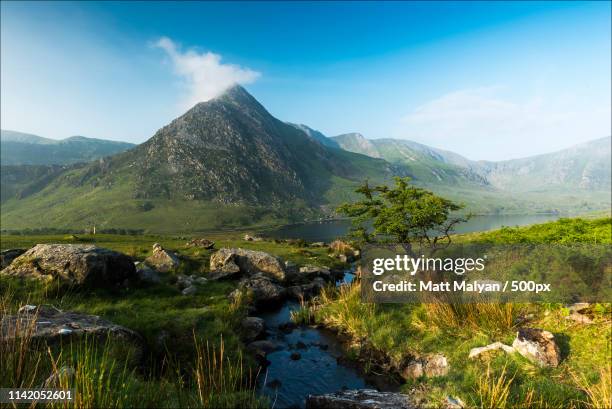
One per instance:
(249, 262)
(262, 290)
(538, 346)
(52, 325)
(7, 256)
(429, 365)
(360, 399)
(227, 270)
(76, 264)
(162, 260)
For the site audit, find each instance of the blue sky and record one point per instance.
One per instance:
(487, 80)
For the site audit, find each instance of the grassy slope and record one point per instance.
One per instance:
(396, 330)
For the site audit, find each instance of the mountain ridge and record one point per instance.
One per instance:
(18, 148)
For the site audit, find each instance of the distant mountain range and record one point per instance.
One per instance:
(19, 148)
(585, 166)
(227, 162)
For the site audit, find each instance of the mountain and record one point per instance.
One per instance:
(576, 179)
(585, 166)
(225, 162)
(424, 164)
(316, 135)
(357, 143)
(26, 149)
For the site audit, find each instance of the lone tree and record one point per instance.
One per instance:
(404, 214)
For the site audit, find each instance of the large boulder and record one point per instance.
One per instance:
(162, 260)
(360, 399)
(538, 346)
(76, 264)
(7, 256)
(248, 261)
(49, 324)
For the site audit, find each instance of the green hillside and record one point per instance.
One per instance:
(225, 163)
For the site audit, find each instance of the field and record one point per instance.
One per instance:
(196, 358)
(382, 335)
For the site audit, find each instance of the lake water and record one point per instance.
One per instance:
(329, 230)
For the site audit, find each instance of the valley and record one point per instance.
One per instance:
(228, 163)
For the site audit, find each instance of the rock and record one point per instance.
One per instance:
(453, 403)
(317, 244)
(162, 260)
(360, 399)
(201, 280)
(305, 291)
(65, 374)
(310, 271)
(538, 346)
(201, 242)
(253, 328)
(47, 323)
(260, 349)
(295, 356)
(474, 352)
(183, 281)
(413, 370)
(146, 274)
(28, 308)
(7, 256)
(429, 366)
(300, 345)
(291, 268)
(249, 262)
(191, 290)
(580, 318)
(579, 307)
(436, 365)
(248, 237)
(75, 264)
(287, 327)
(226, 271)
(262, 290)
(344, 258)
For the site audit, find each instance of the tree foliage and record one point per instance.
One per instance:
(403, 214)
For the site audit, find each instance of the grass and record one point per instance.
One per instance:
(204, 364)
(385, 334)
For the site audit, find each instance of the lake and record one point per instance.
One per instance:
(329, 230)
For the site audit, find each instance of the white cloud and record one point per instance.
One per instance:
(205, 75)
(482, 123)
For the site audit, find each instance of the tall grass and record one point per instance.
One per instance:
(490, 317)
(598, 393)
(493, 390)
(221, 382)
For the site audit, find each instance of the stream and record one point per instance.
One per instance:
(320, 369)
